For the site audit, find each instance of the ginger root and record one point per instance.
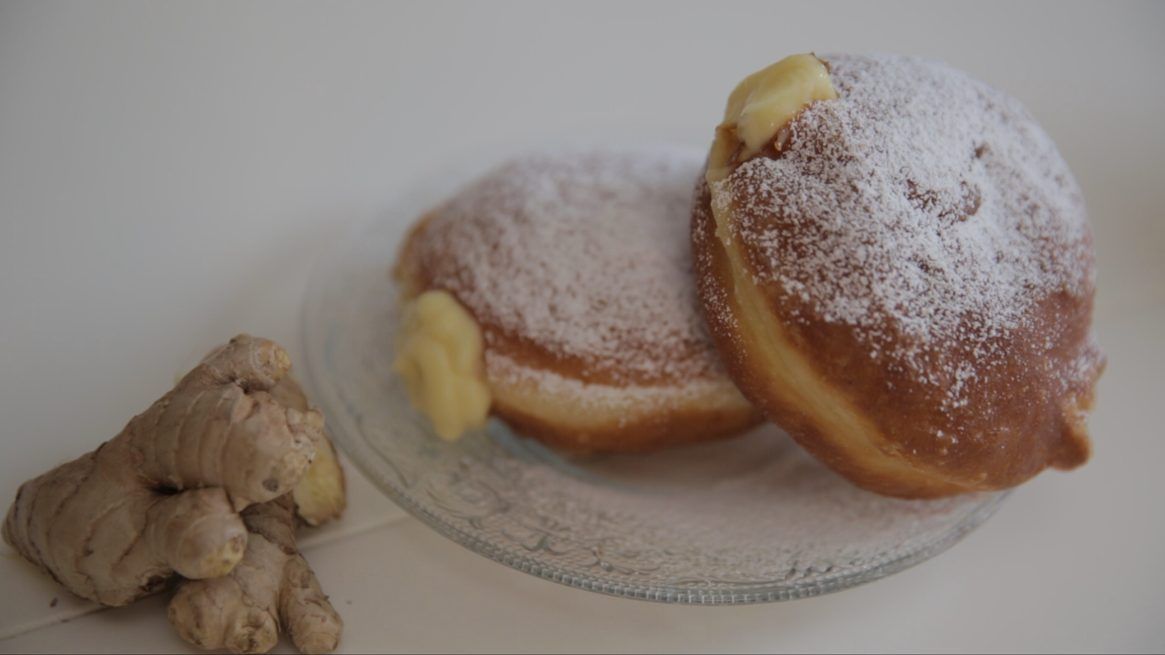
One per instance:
(320, 495)
(272, 588)
(163, 496)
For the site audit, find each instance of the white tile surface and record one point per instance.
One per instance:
(168, 172)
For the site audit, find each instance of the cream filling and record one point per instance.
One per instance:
(762, 104)
(440, 357)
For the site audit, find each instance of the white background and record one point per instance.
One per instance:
(169, 172)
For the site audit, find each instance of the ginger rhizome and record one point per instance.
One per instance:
(320, 495)
(272, 589)
(164, 495)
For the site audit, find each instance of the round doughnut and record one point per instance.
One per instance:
(903, 278)
(576, 266)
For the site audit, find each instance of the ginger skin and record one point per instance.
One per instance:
(272, 588)
(320, 496)
(164, 495)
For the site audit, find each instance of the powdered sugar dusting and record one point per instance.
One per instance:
(586, 254)
(630, 402)
(922, 207)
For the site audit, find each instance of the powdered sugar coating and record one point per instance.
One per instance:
(923, 208)
(630, 402)
(583, 254)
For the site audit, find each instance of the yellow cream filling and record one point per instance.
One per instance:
(763, 103)
(440, 358)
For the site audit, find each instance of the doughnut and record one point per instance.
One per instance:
(896, 265)
(568, 275)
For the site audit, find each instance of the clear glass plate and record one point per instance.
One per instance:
(746, 520)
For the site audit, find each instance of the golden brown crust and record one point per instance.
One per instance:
(693, 423)
(904, 280)
(1032, 422)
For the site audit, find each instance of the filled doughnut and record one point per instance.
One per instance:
(896, 265)
(557, 293)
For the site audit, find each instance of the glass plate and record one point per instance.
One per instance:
(746, 520)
